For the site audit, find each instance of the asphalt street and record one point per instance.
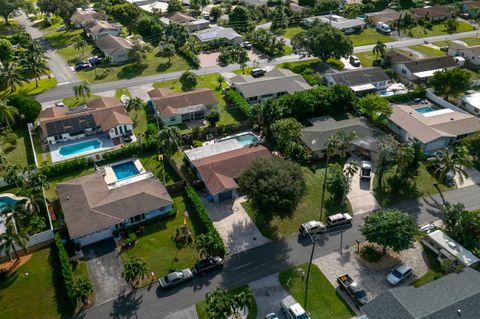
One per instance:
(247, 266)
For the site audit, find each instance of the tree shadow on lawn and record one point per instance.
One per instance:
(62, 302)
(265, 226)
(9, 279)
(132, 70)
(164, 66)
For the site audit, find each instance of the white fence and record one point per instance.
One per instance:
(34, 240)
(440, 101)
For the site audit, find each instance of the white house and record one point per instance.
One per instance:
(459, 48)
(362, 80)
(338, 22)
(204, 36)
(115, 47)
(418, 70)
(470, 102)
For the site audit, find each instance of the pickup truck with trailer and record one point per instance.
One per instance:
(292, 308)
(353, 289)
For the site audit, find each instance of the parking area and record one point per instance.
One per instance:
(268, 292)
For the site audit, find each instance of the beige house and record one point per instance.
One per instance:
(83, 17)
(117, 48)
(99, 29)
(192, 24)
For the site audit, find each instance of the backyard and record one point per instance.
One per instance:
(438, 29)
(369, 36)
(151, 163)
(21, 153)
(323, 299)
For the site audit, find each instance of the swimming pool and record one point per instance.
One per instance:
(78, 148)
(7, 202)
(125, 170)
(424, 109)
(247, 139)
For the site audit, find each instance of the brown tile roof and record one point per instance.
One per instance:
(96, 27)
(181, 17)
(88, 205)
(434, 11)
(86, 15)
(218, 171)
(111, 43)
(168, 102)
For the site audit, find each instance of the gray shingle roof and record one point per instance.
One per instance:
(430, 64)
(360, 76)
(216, 33)
(440, 299)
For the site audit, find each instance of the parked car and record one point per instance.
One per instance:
(354, 290)
(383, 27)
(312, 227)
(428, 228)
(399, 274)
(59, 104)
(365, 170)
(208, 264)
(94, 60)
(338, 220)
(292, 309)
(271, 316)
(444, 49)
(257, 72)
(81, 65)
(355, 61)
(246, 45)
(175, 278)
(62, 28)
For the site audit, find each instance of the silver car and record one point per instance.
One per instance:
(175, 278)
(399, 274)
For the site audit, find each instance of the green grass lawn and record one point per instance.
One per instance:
(427, 51)
(151, 163)
(22, 153)
(434, 269)
(62, 39)
(157, 248)
(202, 306)
(438, 29)
(369, 36)
(40, 294)
(122, 91)
(308, 209)
(30, 87)
(72, 55)
(290, 32)
(9, 29)
(41, 156)
(471, 41)
(73, 101)
(323, 300)
(424, 184)
(366, 58)
(227, 116)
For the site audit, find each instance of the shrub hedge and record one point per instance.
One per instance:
(65, 167)
(66, 269)
(370, 254)
(409, 96)
(236, 99)
(202, 214)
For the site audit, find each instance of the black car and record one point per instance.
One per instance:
(208, 264)
(95, 60)
(81, 66)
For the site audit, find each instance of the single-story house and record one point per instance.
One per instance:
(422, 69)
(460, 48)
(433, 13)
(470, 102)
(175, 108)
(433, 129)
(315, 137)
(218, 33)
(117, 48)
(192, 24)
(388, 16)
(273, 84)
(103, 115)
(396, 56)
(83, 17)
(99, 29)
(218, 172)
(93, 209)
(254, 2)
(470, 6)
(338, 22)
(448, 249)
(456, 295)
(362, 80)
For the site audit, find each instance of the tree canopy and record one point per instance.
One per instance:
(6, 50)
(7, 7)
(451, 83)
(188, 81)
(27, 106)
(240, 19)
(376, 107)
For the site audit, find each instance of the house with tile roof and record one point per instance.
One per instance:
(105, 115)
(179, 107)
(83, 17)
(273, 84)
(101, 28)
(115, 47)
(361, 81)
(433, 13)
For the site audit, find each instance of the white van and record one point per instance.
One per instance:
(383, 27)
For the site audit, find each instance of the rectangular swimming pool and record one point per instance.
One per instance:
(125, 170)
(425, 109)
(247, 139)
(78, 148)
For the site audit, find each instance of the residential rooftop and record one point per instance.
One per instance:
(217, 33)
(169, 103)
(112, 43)
(359, 77)
(449, 245)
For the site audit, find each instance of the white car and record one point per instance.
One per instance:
(399, 274)
(365, 170)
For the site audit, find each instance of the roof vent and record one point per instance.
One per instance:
(459, 312)
(451, 119)
(68, 197)
(452, 245)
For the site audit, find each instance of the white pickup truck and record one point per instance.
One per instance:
(292, 308)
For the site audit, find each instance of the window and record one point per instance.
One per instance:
(116, 131)
(121, 129)
(172, 118)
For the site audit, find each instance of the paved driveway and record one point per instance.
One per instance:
(361, 196)
(105, 268)
(268, 292)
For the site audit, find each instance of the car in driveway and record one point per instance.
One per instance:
(81, 65)
(354, 60)
(428, 228)
(365, 171)
(208, 264)
(399, 274)
(175, 278)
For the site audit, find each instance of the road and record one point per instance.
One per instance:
(253, 264)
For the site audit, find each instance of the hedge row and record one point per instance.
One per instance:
(129, 150)
(66, 167)
(233, 97)
(407, 97)
(65, 268)
(204, 218)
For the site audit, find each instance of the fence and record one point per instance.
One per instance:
(35, 242)
(440, 101)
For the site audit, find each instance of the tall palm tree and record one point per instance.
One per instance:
(82, 90)
(35, 198)
(456, 162)
(379, 49)
(387, 147)
(242, 300)
(9, 239)
(332, 145)
(10, 76)
(404, 156)
(35, 66)
(135, 105)
(349, 170)
(219, 304)
(82, 289)
(169, 140)
(135, 271)
(7, 113)
(220, 80)
(80, 44)
(264, 114)
(344, 140)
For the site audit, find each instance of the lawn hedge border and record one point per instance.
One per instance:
(235, 98)
(65, 167)
(202, 214)
(66, 269)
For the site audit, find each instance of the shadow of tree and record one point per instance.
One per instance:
(164, 66)
(126, 305)
(132, 70)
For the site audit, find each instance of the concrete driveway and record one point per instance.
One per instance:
(268, 292)
(237, 230)
(105, 268)
(361, 196)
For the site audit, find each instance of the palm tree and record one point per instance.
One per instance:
(379, 49)
(35, 198)
(167, 50)
(82, 90)
(207, 246)
(387, 147)
(219, 304)
(220, 80)
(242, 300)
(3, 157)
(36, 66)
(332, 145)
(344, 140)
(80, 44)
(135, 105)
(135, 271)
(265, 114)
(456, 162)
(9, 239)
(82, 289)
(10, 76)
(7, 113)
(349, 170)
(169, 140)
(404, 156)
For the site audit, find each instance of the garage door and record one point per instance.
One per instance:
(225, 195)
(96, 236)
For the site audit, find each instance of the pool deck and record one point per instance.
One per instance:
(111, 178)
(107, 143)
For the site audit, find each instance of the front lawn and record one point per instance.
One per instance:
(471, 41)
(323, 300)
(63, 39)
(35, 290)
(72, 55)
(438, 29)
(157, 247)
(290, 32)
(74, 101)
(424, 184)
(369, 36)
(21, 153)
(30, 87)
(366, 58)
(427, 51)
(202, 306)
(308, 209)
